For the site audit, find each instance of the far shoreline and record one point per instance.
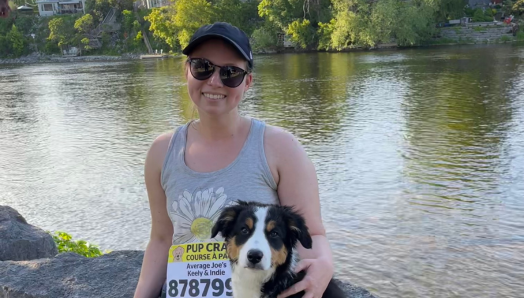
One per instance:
(37, 58)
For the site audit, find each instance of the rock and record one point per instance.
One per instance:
(352, 291)
(71, 275)
(22, 241)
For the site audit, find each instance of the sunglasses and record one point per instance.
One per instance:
(203, 69)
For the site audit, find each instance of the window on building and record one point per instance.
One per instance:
(47, 7)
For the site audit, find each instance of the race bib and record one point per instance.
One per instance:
(199, 270)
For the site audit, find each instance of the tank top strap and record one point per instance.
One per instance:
(254, 154)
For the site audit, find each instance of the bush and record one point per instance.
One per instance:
(65, 243)
(480, 16)
(520, 36)
(505, 38)
(302, 33)
(264, 39)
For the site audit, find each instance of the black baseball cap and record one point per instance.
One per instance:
(226, 31)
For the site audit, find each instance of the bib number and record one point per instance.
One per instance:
(199, 270)
(200, 288)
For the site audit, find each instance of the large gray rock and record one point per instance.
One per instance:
(352, 291)
(22, 241)
(71, 275)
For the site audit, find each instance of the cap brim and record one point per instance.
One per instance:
(195, 43)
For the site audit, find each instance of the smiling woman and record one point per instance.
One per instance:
(208, 164)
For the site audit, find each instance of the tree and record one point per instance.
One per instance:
(84, 24)
(302, 33)
(518, 7)
(239, 13)
(189, 16)
(175, 24)
(450, 9)
(61, 31)
(162, 25)
(17, 41)
(284, 12)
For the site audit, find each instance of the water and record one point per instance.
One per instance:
(419, 154)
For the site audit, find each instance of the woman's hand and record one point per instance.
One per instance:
(318, 274)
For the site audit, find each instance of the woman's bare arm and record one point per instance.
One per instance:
(154, 266)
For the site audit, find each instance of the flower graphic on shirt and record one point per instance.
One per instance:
(197, 213)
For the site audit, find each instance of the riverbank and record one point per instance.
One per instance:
(42, 58)
(36, 58)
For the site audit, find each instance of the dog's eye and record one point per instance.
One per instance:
(244, 231)
(273, 234)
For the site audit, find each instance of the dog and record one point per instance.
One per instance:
(260, 241)
(177, 254)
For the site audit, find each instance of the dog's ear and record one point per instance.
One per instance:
(297, 227)
(226, 221)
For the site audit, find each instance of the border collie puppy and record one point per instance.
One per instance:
(261, 243)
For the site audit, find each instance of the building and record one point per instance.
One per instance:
(148, 4)
(58, 7)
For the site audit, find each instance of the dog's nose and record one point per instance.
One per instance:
(254, 256)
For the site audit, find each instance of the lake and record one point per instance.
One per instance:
(419, 154)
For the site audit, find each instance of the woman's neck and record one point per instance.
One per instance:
(216, 128)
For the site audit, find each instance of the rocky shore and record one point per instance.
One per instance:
(31, 267)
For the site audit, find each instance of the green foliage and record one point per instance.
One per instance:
(17, 41)
(302, 33)
(480, 16)
(65, 243)
(518, 7)
(162, 25)
(520, 35)
(128, 20)
(281, 12)
(415, 25)
(62, 31)
(450, 10)
(84, 24)
(177, 23)
(324, 33)
(505, 38)
(191, 15)
(243, 14)
(26, 24)
(265, 38)
(4, 46)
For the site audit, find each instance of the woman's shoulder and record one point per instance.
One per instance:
(283, 150)
(280, 139)
(160, 144)
(158, 149)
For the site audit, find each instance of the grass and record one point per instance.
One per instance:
(505, 38)
(520, 36)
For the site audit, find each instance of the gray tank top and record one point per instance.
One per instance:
(194, 199)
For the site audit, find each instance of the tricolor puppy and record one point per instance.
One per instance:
(261, 243)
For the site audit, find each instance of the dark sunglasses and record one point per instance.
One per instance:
(203, 69)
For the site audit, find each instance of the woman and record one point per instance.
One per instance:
(207, 164)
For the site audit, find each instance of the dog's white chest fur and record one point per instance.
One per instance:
(247, 283)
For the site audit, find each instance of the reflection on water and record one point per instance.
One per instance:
(419, 153)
